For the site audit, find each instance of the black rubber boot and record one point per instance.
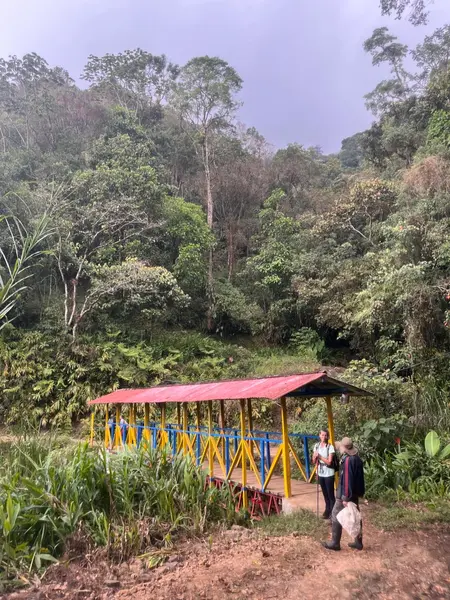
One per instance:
(336, 533)
(357, 544)
(325, 515)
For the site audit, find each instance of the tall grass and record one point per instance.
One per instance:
(128, 502)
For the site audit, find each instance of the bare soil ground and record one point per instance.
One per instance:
(247, 564)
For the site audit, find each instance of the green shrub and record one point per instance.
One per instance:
(129, 502)
(418, 471)
(377, 435)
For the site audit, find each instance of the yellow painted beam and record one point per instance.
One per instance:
(243, 455)
(331, 431)
(285, 447)
(273, 465)
(210, 441)
(185, 429)
(253, 466)
(146, 433)
(163, 439)
(313, 473)
(330, 420)
(297, 460)
(108, 441)
(118, 441)
(250, 425)
(222, 426)
(91, 437)
(216, 452)
(131, 437)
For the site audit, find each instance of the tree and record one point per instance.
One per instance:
(135, 290)
(433, 56)
(204, 97)
(114, 204)
(418, 14)
(134, 79)
(385, 49)
(351, 154)
(27, 86)
(240, 182)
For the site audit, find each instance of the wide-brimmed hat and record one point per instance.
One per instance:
(347, 446)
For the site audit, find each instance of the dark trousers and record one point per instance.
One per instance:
(327, 485)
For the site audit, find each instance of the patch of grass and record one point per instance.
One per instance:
(411, 516)
(277, 362)
(303, 522)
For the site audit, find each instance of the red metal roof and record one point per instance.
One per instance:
(306, 384)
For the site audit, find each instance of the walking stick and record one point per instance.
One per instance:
(317, 487)
(317, 493)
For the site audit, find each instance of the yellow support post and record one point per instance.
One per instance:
(185, 429)
(131, 435)
(179, 436)
(243, 455)
(133, 429)
(91, 439)
(108, 440)
(146, 432)
(210, 441)
(130, 426)
(222, 428)
(330, 420)
(118, 441)
(331, 432)
(250, 425)
(199, 441)
(286, 453)
(163, 436)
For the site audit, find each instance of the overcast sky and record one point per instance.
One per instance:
(302, 62)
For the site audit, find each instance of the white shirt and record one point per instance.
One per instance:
(325, 451)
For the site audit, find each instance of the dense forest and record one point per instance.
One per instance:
(147, 235)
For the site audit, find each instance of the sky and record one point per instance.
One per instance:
(304, 69)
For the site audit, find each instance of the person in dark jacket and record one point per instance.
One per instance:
(350, 488)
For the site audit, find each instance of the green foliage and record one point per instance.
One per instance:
(233, 313)
(377, 435)
(305, 341)
(15, 271)
(417, 471)
(54, 380)
(439, 128)
(136, 291)
(135, 79)
(392, 393)
(418, 14)
(130, 502)
(170, 217)
(204, 93)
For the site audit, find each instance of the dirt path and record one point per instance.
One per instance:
(244, 564)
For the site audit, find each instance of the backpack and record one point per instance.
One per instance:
(335, 463)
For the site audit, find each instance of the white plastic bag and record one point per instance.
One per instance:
(350, 519)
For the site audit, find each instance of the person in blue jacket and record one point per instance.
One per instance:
(350, 488)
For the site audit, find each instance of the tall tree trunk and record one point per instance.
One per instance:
(209, 220)
(230, 251)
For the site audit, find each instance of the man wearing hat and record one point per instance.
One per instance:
(350, 488)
